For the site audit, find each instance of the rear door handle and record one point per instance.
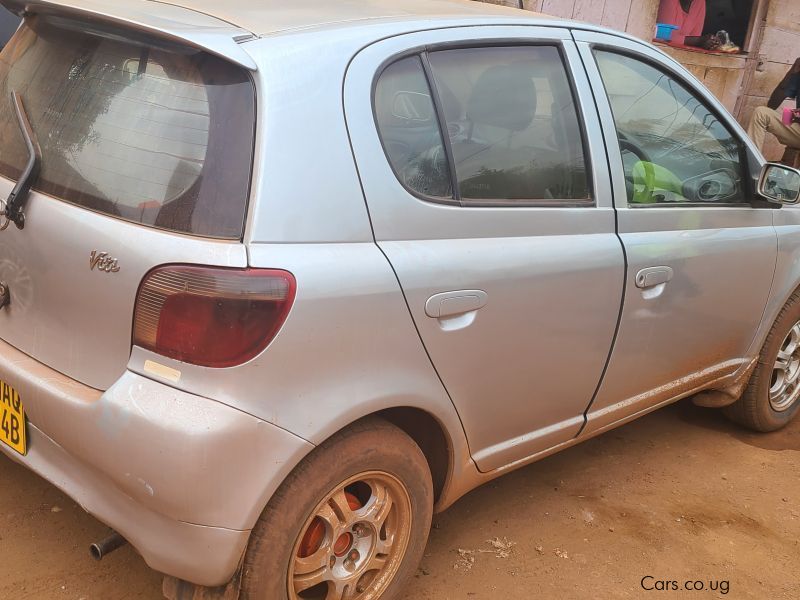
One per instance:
(450, 304)
(653, 276)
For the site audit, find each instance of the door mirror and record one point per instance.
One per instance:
(780, 184)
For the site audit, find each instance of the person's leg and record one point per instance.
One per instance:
(759, 124)
(767, 120)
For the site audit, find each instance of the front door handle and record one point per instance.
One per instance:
(450, 304)
(653, 276)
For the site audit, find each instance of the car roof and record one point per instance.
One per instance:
(225, 27)
(265, 17)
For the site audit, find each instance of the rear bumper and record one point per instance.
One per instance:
(181, 477)
(205, 555)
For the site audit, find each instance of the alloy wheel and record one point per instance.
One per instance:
(785, 384)
(352, 546)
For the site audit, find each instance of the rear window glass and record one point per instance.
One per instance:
(161, 137)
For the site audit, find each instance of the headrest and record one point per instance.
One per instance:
(503, 96)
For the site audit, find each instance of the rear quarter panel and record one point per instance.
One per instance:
(347, 350)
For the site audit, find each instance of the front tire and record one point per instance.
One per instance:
(350, 523)
(772, 397)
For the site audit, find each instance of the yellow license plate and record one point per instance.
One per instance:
(12, 419)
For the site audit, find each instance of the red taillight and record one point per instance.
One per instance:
(213, 317)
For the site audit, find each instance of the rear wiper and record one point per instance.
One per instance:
(16, 199)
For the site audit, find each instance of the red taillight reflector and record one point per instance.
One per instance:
(213, 317)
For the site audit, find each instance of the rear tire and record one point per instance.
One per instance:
(772, 397)
(351, 521)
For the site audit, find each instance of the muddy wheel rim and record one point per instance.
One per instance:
(785, 385)
(353, 544)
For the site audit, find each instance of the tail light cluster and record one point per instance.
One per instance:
(213, 317)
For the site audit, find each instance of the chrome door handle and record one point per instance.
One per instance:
(450, 304)
(653, 276)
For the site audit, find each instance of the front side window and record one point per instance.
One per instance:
(158, 137)
(513, 133)
(674, 149)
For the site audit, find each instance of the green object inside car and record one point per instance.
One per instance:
(650, 178)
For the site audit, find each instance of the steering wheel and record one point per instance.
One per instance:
(627, 143)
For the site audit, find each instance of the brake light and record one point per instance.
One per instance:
(213, 317)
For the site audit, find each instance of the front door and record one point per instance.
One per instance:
(700, 256)
(478, 176)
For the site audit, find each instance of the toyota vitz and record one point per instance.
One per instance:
(278, 281)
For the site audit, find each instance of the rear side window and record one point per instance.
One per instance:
(512, 122)
(410, 131)
(513, 132)
(161, 137)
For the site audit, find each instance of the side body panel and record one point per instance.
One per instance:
(522, 369)
(787, 271)
(696, 330)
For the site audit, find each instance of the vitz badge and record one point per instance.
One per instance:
(103, 262)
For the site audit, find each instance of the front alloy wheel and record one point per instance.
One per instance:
(772, 397)
(785, 385)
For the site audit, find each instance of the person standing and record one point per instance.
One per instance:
(768, 120)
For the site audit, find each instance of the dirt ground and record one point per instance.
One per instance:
(679, 496)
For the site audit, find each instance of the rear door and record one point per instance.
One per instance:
(701, 255)
(500, 231)
(133, 175)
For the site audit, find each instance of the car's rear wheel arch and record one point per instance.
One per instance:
(432, 438)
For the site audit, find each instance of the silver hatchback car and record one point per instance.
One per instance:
(278, 281)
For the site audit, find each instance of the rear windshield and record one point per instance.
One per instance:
(154, 135)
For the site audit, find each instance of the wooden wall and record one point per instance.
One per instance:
(637, 17)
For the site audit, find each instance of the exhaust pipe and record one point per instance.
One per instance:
(100, 549)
